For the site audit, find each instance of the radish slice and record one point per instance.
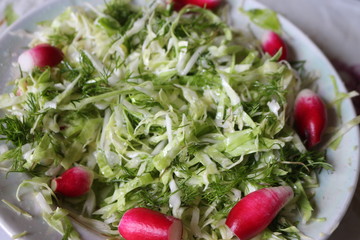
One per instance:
(272, 43)
(209, 4)
(310, 117)
(146, 224)
(252, 214)
(40, 56)
(74, 182)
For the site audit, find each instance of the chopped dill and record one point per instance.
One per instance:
(15, 130)
(171, 110)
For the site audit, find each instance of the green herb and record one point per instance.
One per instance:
(172, 111)
(15, 130)
(19, 235)
(16, 209)
(264, 18)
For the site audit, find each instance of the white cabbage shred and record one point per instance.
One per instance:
(172, 111)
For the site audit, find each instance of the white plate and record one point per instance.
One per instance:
(332, 198)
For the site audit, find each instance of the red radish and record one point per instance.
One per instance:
(74, 182)
(272, 43)
(209, 4)
(146, 224)
(310, 117)
(41, 56)
(253, 213)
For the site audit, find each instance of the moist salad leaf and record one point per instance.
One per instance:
(265, 18)
(172, 111)
(10, 14)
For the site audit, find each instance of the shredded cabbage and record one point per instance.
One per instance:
(172, 111)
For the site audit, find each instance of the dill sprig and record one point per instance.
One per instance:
(153, 196)
(123, 12)
(61, 39)
(189, 193)
(16, 130)
(67, 71)
(17, 160)
(86, 67)
(19, 131)
(32, 104)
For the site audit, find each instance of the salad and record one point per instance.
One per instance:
(164, 122)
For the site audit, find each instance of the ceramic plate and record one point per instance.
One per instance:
(336, 188)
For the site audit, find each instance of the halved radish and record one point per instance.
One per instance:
(146, 224)
(42, 55)
(209, 4)
(253, 213)
(74, 182)
(310, 117)
(272, 43)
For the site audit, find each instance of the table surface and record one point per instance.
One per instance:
(332, 24)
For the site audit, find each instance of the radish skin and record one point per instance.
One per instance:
(253, 213)
(209, 4)
(310, 117)
(74, 182)
(272, 43)
(42, 55)
(146, 224)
